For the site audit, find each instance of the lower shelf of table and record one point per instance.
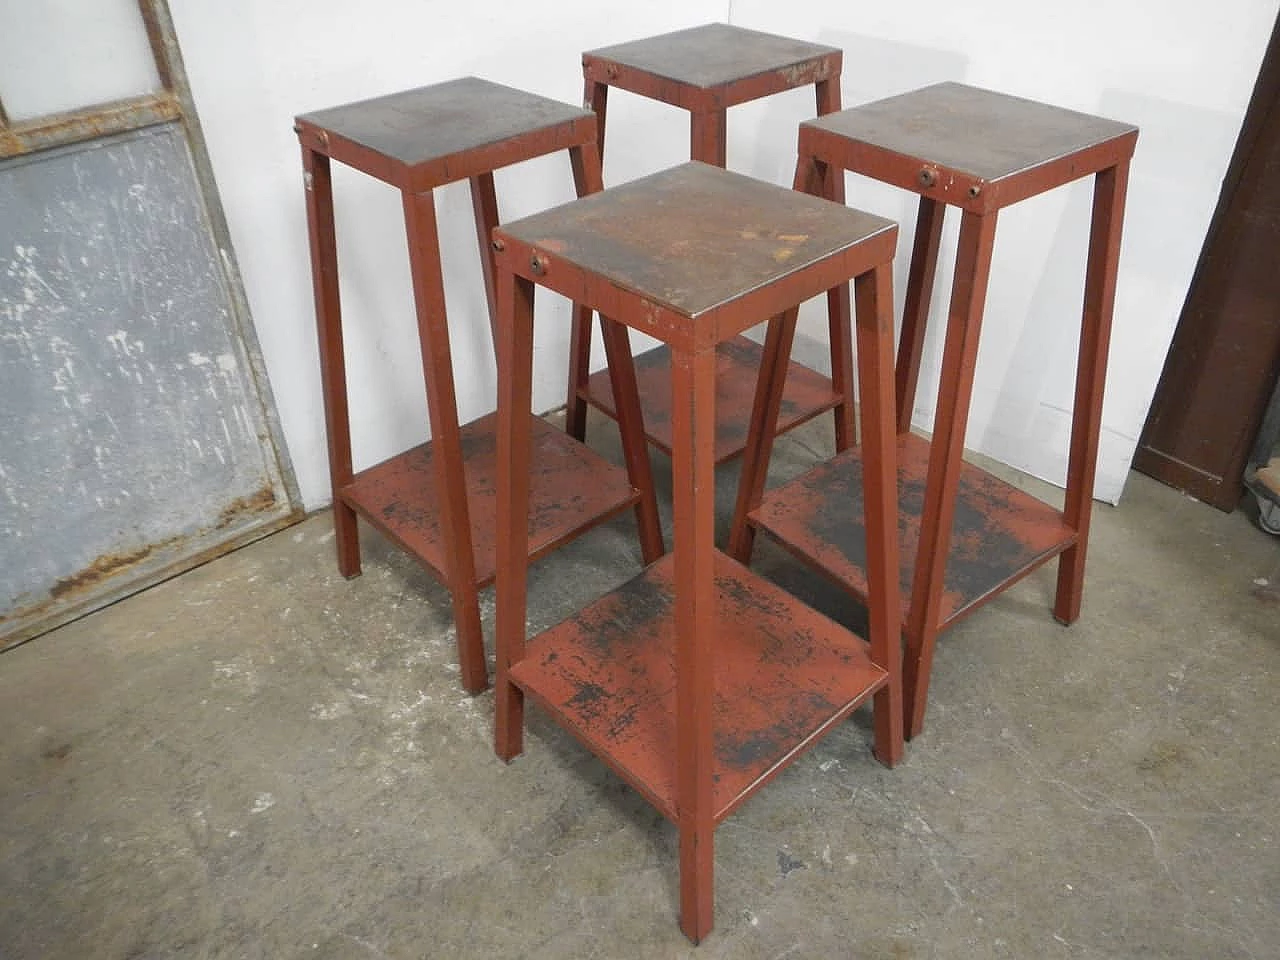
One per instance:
(999, 534)
(571, 489)
(784, 676)
(807, 394)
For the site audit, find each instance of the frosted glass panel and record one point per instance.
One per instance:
(58, 55)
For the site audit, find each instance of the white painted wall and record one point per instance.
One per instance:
(1183, 75)
(60, 55)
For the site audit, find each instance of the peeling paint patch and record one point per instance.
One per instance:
(133, 430)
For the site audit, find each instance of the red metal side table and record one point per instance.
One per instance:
(437, 500)
(698, 681)
(965, 534)
(705, 70)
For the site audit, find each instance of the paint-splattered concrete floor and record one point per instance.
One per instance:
(260, 759)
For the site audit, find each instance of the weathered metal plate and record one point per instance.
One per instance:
(103, 120)
(571, 489)
(695, 238)
(714, 55)
(987, 135)
(432, 124)
(135, 440)
(805, 395)
(784, 676)
(999, 534)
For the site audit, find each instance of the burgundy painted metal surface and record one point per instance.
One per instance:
(705, 70)
(694, 256)
(970, 535)
(805, 395)
(998, 534)
(783, 674)
(437, 500)
(915, 310)
(570, 489)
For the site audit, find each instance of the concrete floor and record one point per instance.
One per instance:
(259, 759)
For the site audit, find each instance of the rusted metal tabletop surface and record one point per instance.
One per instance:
(805, 395)
(951, 131)
(694, 239)
(719, 54)
(440, 130)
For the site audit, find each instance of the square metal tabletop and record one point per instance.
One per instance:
(987, 135)
(433, 123)
(695, 237)
(713, 55)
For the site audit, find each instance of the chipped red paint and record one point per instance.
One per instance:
(571, 489)
(805, 395)
(784, 674)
